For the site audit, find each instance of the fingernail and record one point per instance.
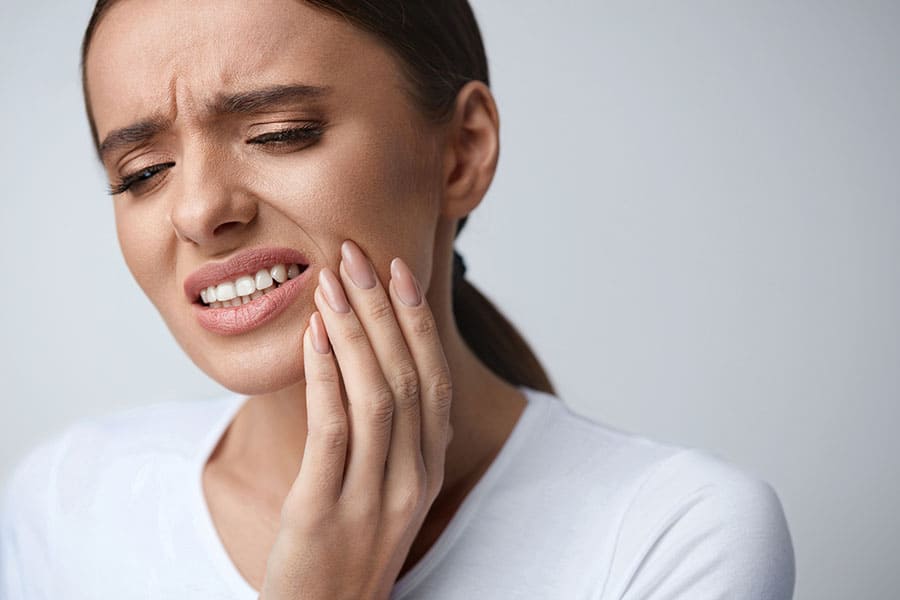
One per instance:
(358, 266)
(319, 336)
(334, 292)
(405, 283)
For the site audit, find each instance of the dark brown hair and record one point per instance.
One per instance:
(440, 49)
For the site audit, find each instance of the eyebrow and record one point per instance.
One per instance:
(244, 102)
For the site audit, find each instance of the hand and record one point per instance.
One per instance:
(347, 525)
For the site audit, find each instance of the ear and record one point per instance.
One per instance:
(472, 150)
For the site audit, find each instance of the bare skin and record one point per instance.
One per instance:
(245, 504)
(381, 176)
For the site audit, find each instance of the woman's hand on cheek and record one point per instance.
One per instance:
(369, 475)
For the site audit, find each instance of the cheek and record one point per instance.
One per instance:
(359, 183)
(146, 247)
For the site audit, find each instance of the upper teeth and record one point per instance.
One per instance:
(245, 288)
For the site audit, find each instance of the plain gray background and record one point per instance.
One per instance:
(696, 222)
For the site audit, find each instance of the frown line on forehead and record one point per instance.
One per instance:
(242, 102)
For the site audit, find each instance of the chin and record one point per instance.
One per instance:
(250, 365)
(256, 372)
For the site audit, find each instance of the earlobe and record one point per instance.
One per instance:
(472, 150)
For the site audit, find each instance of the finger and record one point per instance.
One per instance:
(327, 434)
(370, 403)
(420, 331)
(372, 305)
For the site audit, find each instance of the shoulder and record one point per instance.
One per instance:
(88, 479)
(26, 487)
(701, 523)
(60, 470)
(577, 447)
(686, 522)
(26, 521)
(715, 495)
(78, 479)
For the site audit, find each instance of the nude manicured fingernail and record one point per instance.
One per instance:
(334, 292)
(319, 336)
(358, 266)
(405, 283)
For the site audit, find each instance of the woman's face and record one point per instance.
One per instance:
(369, 169)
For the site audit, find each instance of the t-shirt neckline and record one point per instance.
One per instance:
(537, 404)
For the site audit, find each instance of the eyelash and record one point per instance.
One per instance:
(283, 137)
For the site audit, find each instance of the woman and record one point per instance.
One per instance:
(288, 180)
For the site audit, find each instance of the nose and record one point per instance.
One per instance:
(211, 209)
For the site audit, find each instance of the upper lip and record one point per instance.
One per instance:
(246, 262)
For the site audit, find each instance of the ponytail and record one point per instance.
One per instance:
(493, 339)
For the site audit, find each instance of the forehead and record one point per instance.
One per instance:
(175, 56)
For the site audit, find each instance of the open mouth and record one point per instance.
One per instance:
(249, 287)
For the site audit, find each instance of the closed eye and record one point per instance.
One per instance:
(136, 181)
(306, 132)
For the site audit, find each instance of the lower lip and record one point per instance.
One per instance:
(234, 320)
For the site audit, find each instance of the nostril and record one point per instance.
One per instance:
(225, 227)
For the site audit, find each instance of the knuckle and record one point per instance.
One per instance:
(380, 310)
(361, 510)
(408, 500)
(355, 334)
(332, 436)
(329, 376)
(424, 325)
(307, 514)
(381, 404)
(441, 392)
(405, 384)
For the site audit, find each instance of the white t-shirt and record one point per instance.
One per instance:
(570, 509)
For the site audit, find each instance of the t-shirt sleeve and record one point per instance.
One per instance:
(25, 522)
(700, 528)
